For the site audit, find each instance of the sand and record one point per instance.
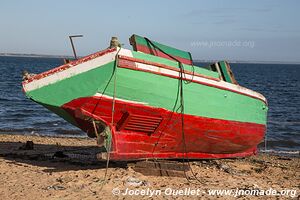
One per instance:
(75, 173)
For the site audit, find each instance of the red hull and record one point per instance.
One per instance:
(152, 134)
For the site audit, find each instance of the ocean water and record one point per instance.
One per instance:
(279, 83)
(19, 115)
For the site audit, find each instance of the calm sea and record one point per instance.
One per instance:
(279, 83)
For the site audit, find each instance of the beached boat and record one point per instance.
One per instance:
(152, 102)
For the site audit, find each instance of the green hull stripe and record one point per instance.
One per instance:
(155, 90)
(200, 100)
(86, 84)
(81, 85)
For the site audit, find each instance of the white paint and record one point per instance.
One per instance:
(125, 52)
(119, 99)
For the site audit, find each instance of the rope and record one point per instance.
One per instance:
(111, 76)
(112, 118)
(95, 128)
(178, 88)
(180, 108)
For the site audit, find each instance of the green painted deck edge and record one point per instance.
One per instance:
(171, 63)
(170, 50)
(225, 71)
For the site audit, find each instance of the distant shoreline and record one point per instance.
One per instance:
(33, 55)
(195, 60)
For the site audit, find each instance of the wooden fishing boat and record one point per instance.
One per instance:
(152, 102)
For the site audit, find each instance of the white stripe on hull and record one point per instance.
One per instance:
(119, 99)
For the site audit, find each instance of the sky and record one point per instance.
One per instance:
(256, 30)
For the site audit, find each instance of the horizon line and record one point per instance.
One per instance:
(195, 60)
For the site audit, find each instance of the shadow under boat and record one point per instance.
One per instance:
(56, 158)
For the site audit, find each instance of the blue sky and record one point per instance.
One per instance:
(260, 30)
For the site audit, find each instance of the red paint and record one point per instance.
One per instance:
(69, 65)
(205, 137)
(156, 52)
(126, 62)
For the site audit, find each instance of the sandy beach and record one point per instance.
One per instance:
(66, 168)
